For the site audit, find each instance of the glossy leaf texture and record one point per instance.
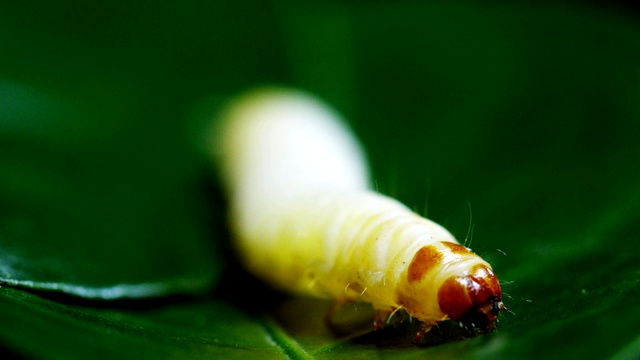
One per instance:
(514, 126)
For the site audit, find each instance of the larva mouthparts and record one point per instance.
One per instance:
(306, 221)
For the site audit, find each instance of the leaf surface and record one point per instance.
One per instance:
(513, 125)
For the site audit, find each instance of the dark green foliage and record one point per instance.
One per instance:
(527, 116)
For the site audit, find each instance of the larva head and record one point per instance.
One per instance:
(474, 299)
(463, 284)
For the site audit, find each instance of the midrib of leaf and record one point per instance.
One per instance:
(282, 340)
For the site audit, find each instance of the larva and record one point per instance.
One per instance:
(306, 221)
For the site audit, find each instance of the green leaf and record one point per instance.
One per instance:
(178, 329)
(70, 211)
(527, 117)
(100, 193)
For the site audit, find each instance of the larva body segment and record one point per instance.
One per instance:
(306, 221)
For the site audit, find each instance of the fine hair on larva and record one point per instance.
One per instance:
(305, 219)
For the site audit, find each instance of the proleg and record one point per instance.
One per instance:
(306, 221)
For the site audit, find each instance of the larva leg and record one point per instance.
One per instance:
(344, 318)
(380, 319)
(425, 327)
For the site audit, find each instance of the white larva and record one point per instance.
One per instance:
(306, 220)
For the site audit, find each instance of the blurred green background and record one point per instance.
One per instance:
(112, 236)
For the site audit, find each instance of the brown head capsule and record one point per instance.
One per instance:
(474, 299)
